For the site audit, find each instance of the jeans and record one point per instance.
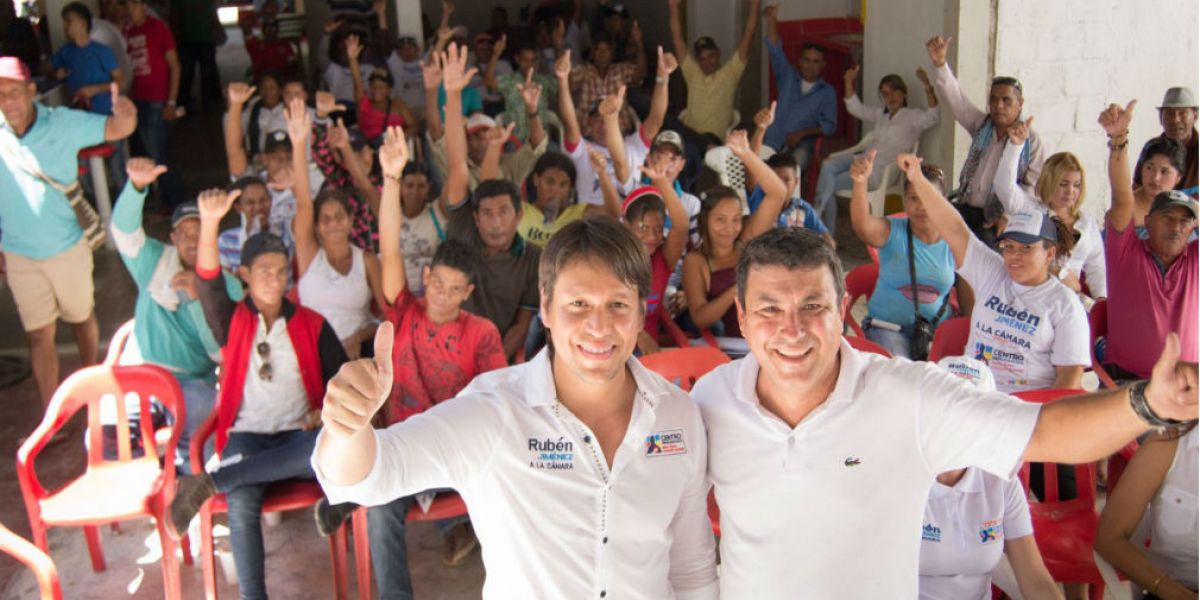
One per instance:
(389, 552)
(250, 463)
(153, 137)
(896, 342)
(198, 398)
(835, 175)
(205, 55)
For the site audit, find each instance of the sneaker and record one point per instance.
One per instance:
(190, 494)
(329, 517)
(458, 544)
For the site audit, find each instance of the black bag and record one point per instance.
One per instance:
(922, 330)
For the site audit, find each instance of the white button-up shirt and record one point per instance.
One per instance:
(832, 508)
(553, 520)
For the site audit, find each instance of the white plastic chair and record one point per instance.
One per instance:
(729, 169)
(891, 180)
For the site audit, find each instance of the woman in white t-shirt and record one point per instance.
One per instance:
(1060, 189)
(1159, 490)
(335, 278)
(424, 226)
(1026, 325)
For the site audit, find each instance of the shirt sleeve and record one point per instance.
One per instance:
(811, 220)
(860, 111)
(1037, 156)
(139, 252)
(1071, 338)
(981, 266)
(967, 114)
(108, 60)
(1095, 270)
(784, 71)
(1117, 244)
(489, 349)
(82, 129)
(828, 115)
(1017, 522)
(693, 570)
(1014, 197)
(218, 306)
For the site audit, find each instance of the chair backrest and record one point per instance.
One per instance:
(103, 389)
(860, 283)
(865, 345)
(950, 338)
(1085, 475)
(1098, 324)
(729, 169)
(116, 346)
(683, 366)
(31, 556)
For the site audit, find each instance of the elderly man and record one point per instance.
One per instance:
(47, 258)
(806, 431)
(989, 132)
(1153, 289)
(1178, 118)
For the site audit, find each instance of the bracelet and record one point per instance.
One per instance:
(1141, 407)
(1112, 145)
(1117, 135)
(533, 115)
(1154, 588)
(660, 80)
(393, 177)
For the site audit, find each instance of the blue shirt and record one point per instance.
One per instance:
(471, 101)
(88, 65)
(796, 213)
(35, 219)
(796, 111)
(892, 299)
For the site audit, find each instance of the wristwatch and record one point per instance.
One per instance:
(1141, 407)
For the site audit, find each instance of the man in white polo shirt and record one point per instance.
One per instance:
(822, 457)
(583, 472)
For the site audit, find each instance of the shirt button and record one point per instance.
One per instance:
(603, 593)
(791, 441)
(605, 541)
(587, 439)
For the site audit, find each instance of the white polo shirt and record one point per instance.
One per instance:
(963, 535)
(553, 520)
(831, 508)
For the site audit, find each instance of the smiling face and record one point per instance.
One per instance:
(379, 90)
(723, 224)
(186, 239)
(892, 97)
(792, 321)
(255, 204)
(16, 102)
(648, 227)
(1027, 264)
(594, 319)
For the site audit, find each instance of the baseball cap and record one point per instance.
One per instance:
(183, 212)
(640, 193)
(383, 75)
(1170, 199)
(667, 136)
(12, 67)
(970, 369)
(1028, 227)
(277, 140)
(615, 9)
(261, 243)
(1179, 97)
(479, 121)
(704, 43)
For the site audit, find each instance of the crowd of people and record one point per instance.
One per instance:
(444, 263)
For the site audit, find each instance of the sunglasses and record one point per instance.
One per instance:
(265, 372)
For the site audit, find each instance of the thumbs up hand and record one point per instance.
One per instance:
(359, 389)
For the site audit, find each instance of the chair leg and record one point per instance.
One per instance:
(337, 555)
(172, 589)
(207, 558)
(185, 545)
(362, 553)
(92, 534)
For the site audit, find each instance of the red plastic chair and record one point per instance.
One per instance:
(1065, 529)
(1098, 324)
(865, 345)
(109, 490)
(282, 495)
(31, 556)
(446, 505)
(860, 283)
(683, 366)
(950, 338)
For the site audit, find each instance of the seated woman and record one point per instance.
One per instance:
(1061, 191)
(972, 518)
(1158, 489)
(708, 273)
(912, 239)
(377, 109)
(897, 128)
(1163, 163)
(336, 278)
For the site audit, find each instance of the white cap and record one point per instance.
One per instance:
(972, 370)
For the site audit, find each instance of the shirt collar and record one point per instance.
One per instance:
(849, 373)
(971, 483)
(287, 311)
(540, 390)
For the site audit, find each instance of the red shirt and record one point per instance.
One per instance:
(434, 362)
(148, 45)
(270, 57)
(660, 274)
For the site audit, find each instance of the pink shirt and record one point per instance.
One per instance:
(371, 120)
(1144, 305)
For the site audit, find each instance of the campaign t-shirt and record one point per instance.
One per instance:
(892, 298)
(88, 65)
(148, 47)
(1022, 332)
(796, 213)
(587, 184)
(420, 237)
(537, 228)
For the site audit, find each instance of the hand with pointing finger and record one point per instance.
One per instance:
(860, 169)
(359, 389)
(1018, 132)
(937, 47)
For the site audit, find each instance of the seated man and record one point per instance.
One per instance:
(169, 328)
(1178, 118)
(1152, 283)
(254, 208)
(514, 87)
(602, 76)
(711, 86)
(277, 360)
(807, 103)
(796, 212)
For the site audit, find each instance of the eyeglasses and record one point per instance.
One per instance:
(265, 372)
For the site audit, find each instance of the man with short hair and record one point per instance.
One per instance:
(584, 472)
(1153, 284)
(805, 432)
(712, 86)
(605, 73)
(976, 202)
(515, 86)
(796, 212)
(807, 103)
(87, 65)
(1177, 115)
(155, 90)
(46, 258)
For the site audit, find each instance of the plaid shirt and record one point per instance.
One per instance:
(589, 87)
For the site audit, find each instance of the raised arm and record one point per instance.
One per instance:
(531, 96)
(353, 51)
(774, 192)
(299, 124)
(639, 48)
(771, 27)
(873, 230)
(743, 47)
(1115, 122)
(235, 153)
(360, 175)
(931, 99)
(566, 104)
(489, 74)
(1013, 196)
(123, 121)
(967, 114)
(393, 155)
(497, 137)
(848, 79)
(941, 213)
(610, 111)
(432, 71)
(213, 205)
(658, 100)
(608, 191)
(677, 39)
(455, 77)
(762, 122)
(677, 238)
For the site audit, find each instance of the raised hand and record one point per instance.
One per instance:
(299, 123)
(937, 47)
(338, 136)
(860, 169)
(1019, 131)
(597, 159)
(655, 171)
(393, 154)
(327, 104)
(333, 25)
(500, 134)
(924, 77)
(432, 71)
(500, 45)
(142, 172)
(610, 106)
(737, 142)
(359, 389)
(531, 93)
(911, 165)
(447, 9)
(851, 74)
(123, 109)
(239, 93)
(444, 33)
(765, 117)
(562, 66)
(354, 47)
(635, 33)
(1115, 120)
(455, 74)
(667, 63)
(214, 204)
(1171, 393)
